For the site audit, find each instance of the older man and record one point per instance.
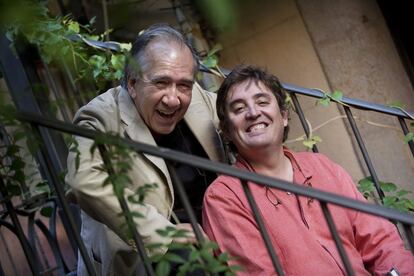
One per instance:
(253, 117)
(157, 104)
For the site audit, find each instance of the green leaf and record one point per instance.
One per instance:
(19, 176)
(409, 137)
(12, 150)
(337, 95)
(194, 255)
(17, 164)
(396, 104)
(13, 190)
(388, 187)
(163, 268)
(74, 26)
(389, 201)
(174, 258)
(210, 61)
(42, 187)
(309, 143)
(324, 101)
(46, 211)
(402, 193)
(125, 46)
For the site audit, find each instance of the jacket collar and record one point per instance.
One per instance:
(137, 130)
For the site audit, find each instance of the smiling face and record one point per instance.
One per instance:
(162, 92)
(253, 118)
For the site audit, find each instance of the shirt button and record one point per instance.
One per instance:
(289, 193)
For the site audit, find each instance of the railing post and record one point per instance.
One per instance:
(302, 118)
(409, 235)
(337, 239)
(28, 252)
(128, 217)
(364, 151)
(262, 229)
(186, 203)
(406, 131)
(73, 230)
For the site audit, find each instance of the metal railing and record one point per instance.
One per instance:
(407, 220)
(48, 160)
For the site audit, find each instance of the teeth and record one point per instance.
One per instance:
(256, 127)
(166, 113)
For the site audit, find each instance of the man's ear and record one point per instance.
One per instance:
(131, 87)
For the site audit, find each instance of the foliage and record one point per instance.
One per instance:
(394, 198)
(311, 141)
(199, 257)
(11, 161)
(327, 97)
(64, 41)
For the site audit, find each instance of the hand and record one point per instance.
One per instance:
(190, 235)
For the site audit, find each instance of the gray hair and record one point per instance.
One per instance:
(157, 31)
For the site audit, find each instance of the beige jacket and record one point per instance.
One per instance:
(102, 225)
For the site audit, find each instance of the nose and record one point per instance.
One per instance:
(171, 99)
(252, 113)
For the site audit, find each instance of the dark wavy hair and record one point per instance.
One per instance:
(160, 31)
(246, 72)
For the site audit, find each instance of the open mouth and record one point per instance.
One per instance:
(256, 127)
(166, 114)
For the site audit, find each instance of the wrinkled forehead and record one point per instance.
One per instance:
(160, 50)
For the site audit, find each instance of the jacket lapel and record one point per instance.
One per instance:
(137, 130)
(199, 119)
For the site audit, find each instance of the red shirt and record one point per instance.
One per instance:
(297, 227)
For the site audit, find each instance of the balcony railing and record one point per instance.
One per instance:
(37, 122)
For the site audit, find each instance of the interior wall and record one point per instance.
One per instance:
(359, 58)
(272, 34)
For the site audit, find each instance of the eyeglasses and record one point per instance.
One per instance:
(272, 197)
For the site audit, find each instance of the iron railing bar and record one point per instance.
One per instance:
(178, 186)
(28, 252)
(302, 118)
(128, 217)
(53, 232)
(1, 270)
(262, 229)
(409, 235)
(406, 131)
(64, 205)
(356, 103)
(32, 239)
(218, 167)
(53, 246)
(6, 246)
(54, 89)
(186, 204)
(337, 239)
(364, 151)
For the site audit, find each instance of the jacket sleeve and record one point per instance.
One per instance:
(227, 221)
(99, 201)
(377, 239)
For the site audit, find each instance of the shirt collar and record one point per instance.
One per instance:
(303, 168)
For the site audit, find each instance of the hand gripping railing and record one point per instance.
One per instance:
(407, 220)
